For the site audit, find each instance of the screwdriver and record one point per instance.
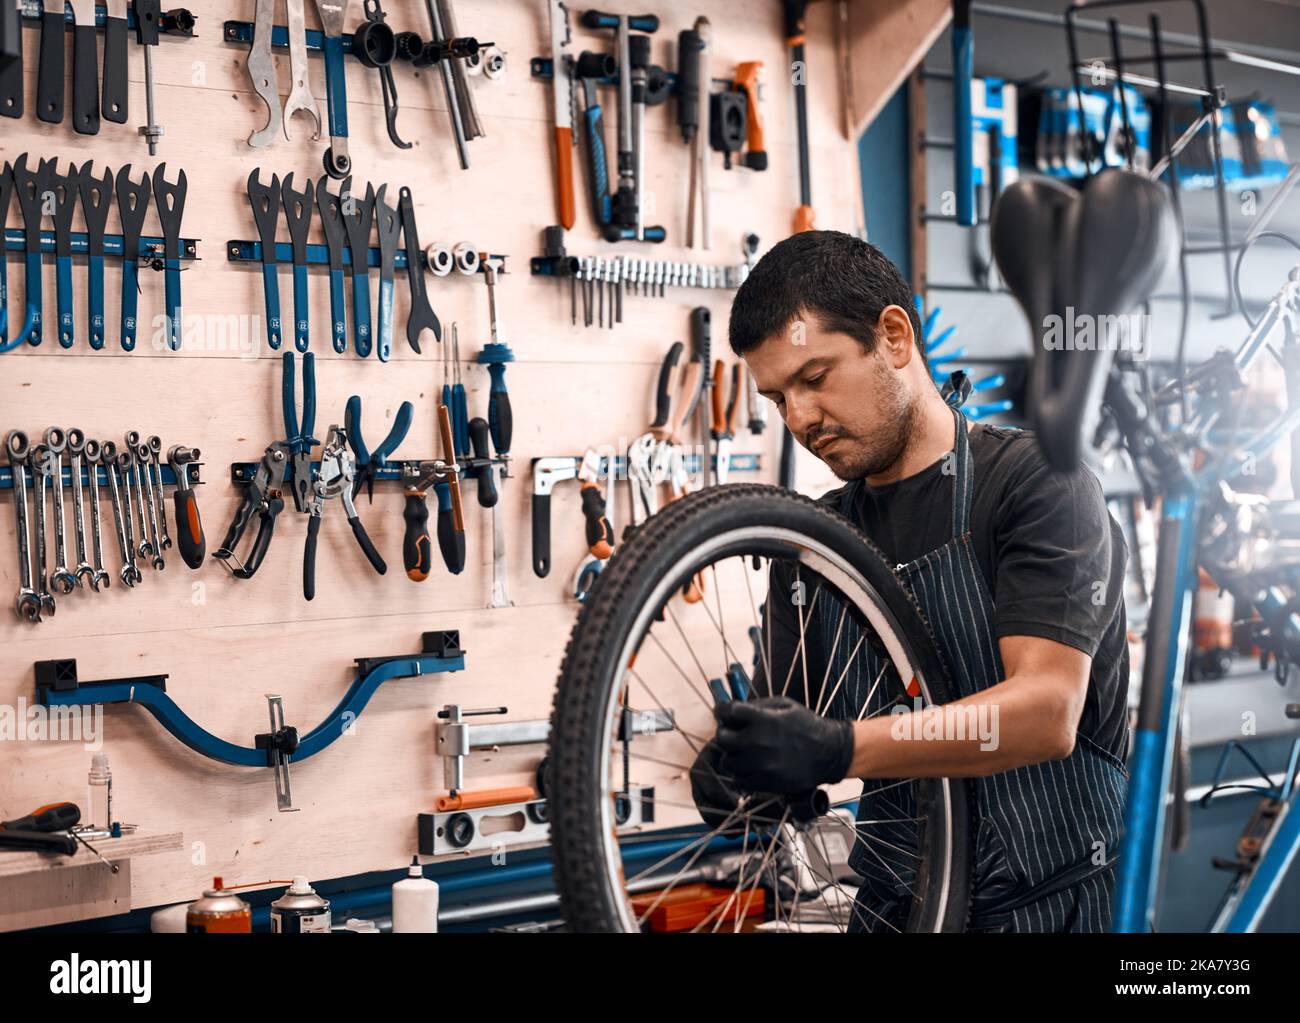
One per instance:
(451, 520)
(53, 817)
(459, 404)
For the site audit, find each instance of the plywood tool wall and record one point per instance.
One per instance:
(225, 643)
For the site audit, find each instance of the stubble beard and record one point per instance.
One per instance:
(870, 456)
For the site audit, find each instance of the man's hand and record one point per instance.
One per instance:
(714, 798)
(778, 745)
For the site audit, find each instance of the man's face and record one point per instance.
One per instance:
(851, 409)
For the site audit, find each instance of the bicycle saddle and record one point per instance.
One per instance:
(1072, 256)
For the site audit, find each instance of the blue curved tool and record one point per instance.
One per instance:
(150, 693)
(170, 200)
(132, 203)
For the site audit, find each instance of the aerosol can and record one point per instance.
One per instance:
(219, 912)
(300, 911)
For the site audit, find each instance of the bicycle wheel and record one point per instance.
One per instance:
(664, 626)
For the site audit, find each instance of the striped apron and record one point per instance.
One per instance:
(1046, 835)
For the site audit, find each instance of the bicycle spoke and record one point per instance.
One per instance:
(706, 700)
(763, 651)
(835, 645)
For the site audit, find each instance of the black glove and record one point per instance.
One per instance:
(778, 745)
(714, 798)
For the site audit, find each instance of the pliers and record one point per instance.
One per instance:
(370, 460)
(677, 393)
(723, 426)
(335, 479)
(299, 440)
(261, 497)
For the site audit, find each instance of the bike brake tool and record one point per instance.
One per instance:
(389, 228)
(297, 213)
(132, 202)
(421, 316)
(331, 218)
(265, 200)
(261, 496)
(170, 200)
(64, 190)
(299, 440)
(95, 199)
(358, 227)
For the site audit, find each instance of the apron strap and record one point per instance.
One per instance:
(963, 483)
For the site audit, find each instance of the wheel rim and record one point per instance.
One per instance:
(852, 589)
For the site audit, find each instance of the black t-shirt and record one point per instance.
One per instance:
(1051, 555)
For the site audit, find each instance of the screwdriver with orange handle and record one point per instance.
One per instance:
(755, 157)
(34, 831)
(600, 534)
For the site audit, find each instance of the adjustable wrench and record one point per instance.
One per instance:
(85, 68)
(155, 449)
(76, 447)
(142, 467)
(130, 575)
(61, 580)
(261, 69)
(131, 460)
(300, 97)
(28, 605)
(37, 460)
(124, 460)
(94, 456)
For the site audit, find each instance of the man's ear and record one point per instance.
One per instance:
(895, 339)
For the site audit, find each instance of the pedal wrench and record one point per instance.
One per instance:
(297, 214)
(336, 241)
(358, 228)
(421, 316)
(132, 204)
(389, 228)
(300, 97)
(155, 450)
(261, 69)
(265, 200)
(76, 448)
(61, 580)
(142, 469)
(64, 190)
(94, 457)
(333, 19)
(18, 448)
(31, 187)
(95, 200)
(170, 200)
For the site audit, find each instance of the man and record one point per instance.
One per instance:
(1018, 570)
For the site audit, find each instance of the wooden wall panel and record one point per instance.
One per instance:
(225, 643)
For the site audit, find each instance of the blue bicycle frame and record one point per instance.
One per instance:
(1141, 850)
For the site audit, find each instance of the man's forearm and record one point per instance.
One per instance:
(1003, 727)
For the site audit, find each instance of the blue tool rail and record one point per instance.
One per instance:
(150, 692)
(178, 22)
(152, 247)
(101, 475)
(319, 255)
(242, 32)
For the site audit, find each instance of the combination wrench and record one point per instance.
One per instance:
(131, 470)
(142, 463)
(114, 465)
(155, 449)
(76, 449)
(37, 460)
(94, 457)
(18, 448)
(61, 580)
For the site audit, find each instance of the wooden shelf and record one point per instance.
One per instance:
(14, 862)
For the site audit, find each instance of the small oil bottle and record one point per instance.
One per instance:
(101, 792)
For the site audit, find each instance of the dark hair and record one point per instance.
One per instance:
(842, 281)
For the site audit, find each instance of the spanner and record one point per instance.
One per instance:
(130, 570)
(129, 575)
(28, 605)
(333, 21)
(142, 464)
(300, 97)
(155, 449)
(143, 548)
(76, 448)
(261, 69)
(94, 456)
(37, 459)
(61, 580)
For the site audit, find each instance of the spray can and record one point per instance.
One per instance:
(415, 902)
(300, 911)
(219, 912)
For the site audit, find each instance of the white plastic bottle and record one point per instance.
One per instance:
(415, 902)
(101, 792)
